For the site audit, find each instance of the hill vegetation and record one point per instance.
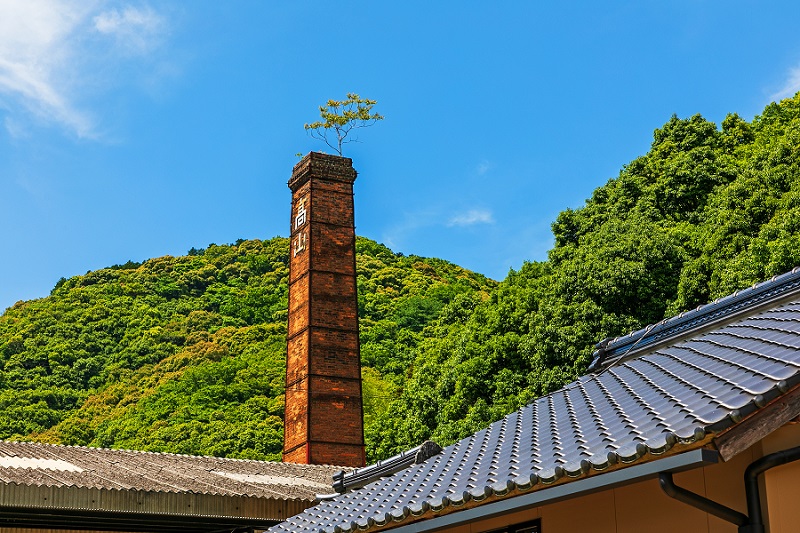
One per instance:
(186, 354)
(705, 212)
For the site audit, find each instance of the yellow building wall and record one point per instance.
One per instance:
(644, 508)
(781, 485)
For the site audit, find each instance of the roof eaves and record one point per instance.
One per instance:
(547, 485)
(97, 519)
(778, 412)
(73, 501)
(524, 499)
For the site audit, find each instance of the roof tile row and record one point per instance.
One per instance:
(669, 399)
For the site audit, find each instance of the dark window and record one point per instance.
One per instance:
(534, 526)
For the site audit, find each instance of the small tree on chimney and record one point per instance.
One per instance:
(340, 117)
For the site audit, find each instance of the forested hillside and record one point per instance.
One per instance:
(708, 210)
(186, 354)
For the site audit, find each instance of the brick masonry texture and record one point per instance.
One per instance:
(323, 418)
(295, 417)
(332, 301)
(297, 357)
(297, 455)
(332, 249)
(331, 453)
(301, 267)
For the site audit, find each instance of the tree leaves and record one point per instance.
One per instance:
(340, 118)
(705, 212)
(187, 354)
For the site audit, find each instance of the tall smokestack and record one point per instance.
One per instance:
(323, 421)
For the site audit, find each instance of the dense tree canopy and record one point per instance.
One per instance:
(186, 354)
(705, 212)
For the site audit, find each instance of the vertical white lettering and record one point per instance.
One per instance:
(300, 218)
(299, 244)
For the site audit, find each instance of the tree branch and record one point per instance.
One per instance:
(342, 117)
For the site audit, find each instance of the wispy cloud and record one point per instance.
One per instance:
(136, 30)
(472, 217)
(790, 86)
(432, 219)
(396, 235)
(15, 128)
(482, 168)
(49, 48)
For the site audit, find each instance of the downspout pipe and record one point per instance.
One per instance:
(700, 502)
(756, 522)
(753, 522)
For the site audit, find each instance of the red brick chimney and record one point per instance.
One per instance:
(323, 421)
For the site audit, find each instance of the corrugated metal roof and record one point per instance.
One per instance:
(37, 465)
(672, 399)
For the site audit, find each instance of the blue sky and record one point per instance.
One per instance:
(136, 129)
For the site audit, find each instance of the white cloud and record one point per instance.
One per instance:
(471, 217)
(790, 86)
(136, 30)
(397, 235)
(15, 128)
(49, 50)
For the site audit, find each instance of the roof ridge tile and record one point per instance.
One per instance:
(612, 350)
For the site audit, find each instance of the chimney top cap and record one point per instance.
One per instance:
(325, 166)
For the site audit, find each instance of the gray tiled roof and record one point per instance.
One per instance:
(45, 465)
(685, 324)
(672, 398)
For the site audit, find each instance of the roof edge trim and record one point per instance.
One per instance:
(87, 519)
(650, 470)
(62, 500)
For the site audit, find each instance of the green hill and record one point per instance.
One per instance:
(186, 354)
(705, 212)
